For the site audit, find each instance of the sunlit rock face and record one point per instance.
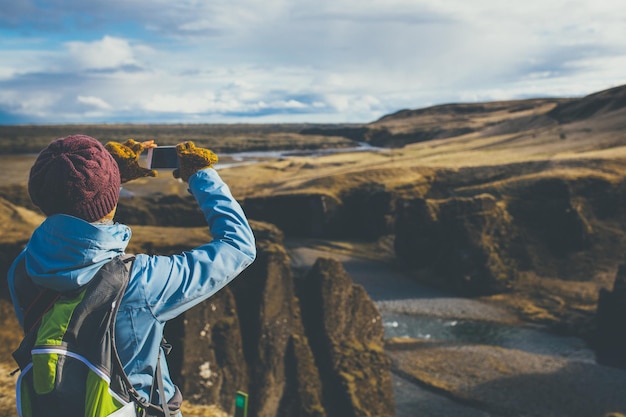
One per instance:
(346, 335)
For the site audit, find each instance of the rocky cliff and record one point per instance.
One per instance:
(311, 346)
(610, 338)
(464, 240)
(473, 230)
(345, 332)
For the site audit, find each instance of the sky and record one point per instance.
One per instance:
(280, 61)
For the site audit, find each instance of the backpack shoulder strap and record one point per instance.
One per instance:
(43, 301)
(147, 405)
(45, 297)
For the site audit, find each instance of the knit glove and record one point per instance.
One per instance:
(192, 159)
(127, 157)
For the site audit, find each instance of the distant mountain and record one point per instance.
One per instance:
(451, 120)
(600, 112)
(592, 106)
(465, 110)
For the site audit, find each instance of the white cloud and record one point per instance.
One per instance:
(107, 53)
(6, 73)
(30, 103)
(339, 60)
(179, 103)
(96, 102)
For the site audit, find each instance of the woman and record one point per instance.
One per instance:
(76, 181)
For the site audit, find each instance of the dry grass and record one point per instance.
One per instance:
(485, 114)
(7, 390)
(10, 332)
(10, 335)
(379, 250)
(166, 240)
(195, 410)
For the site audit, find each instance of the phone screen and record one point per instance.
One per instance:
(162, 157)
(241, 404)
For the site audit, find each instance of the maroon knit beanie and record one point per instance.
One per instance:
(75, 175)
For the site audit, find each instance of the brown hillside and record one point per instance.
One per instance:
(524, 122)
(470, 116)
(592, 106)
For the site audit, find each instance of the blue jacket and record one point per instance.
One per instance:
(65, 252)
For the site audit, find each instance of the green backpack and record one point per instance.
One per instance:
(68, 360)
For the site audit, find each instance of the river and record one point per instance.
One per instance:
(411, 310)
(230, 160)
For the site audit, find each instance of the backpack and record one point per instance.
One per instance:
(68, 359)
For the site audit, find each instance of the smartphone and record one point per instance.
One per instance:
(162, 157)
(241, 404)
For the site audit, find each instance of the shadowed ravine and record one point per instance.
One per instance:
(389, 288)
(413, 311)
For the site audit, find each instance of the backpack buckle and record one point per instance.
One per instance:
(167, 348)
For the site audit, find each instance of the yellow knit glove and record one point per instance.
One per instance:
(192, 159)
(127, 157)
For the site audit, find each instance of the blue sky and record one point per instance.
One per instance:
(257, 61)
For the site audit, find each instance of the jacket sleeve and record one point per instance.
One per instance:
(173, 284)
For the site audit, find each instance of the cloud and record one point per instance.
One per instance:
(339, 60)
(107, 53)
(96, 102)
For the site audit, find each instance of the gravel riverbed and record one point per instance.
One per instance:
(518, 371)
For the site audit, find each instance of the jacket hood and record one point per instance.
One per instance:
(65, 252)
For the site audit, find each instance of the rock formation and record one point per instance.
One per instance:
(345, 332)
(365, 212)
(610, 338)
(295, 214)
(464, 240)
(546, 209)
(261, 336)
(158, 210)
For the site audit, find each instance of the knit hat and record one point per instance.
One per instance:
(75, 175)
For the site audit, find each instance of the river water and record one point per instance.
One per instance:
(409, 309)
(532, 339)
(230, 160)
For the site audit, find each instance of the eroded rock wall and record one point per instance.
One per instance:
(303, 215)
(464, 240)
(260, 336)
(610, 338)
(345, 332)
(477, 242)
